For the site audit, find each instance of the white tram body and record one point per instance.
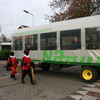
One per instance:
(87, 50)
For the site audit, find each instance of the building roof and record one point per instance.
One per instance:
(22, 26)
(5, 43)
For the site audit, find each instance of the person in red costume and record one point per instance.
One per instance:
(12, 64)
(26, 67)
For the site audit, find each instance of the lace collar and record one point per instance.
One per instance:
(27, 56)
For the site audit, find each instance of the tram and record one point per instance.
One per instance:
(63, 44)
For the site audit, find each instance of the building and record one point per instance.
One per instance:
(5, 46)
(22, 26)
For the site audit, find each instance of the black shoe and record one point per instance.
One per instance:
(33, 83)
(15, 78)
(23, 82)
(11, 76)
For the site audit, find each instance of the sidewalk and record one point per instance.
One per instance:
(86, 92)
(48, 87)
(14, 90)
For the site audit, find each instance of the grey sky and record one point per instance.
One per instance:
(12, 15)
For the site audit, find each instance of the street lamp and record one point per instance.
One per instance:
(32, 16)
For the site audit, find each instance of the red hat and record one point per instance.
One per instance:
(11, 51)
(26, 50)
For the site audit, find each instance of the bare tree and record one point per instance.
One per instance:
(69, 9)
(4, 38)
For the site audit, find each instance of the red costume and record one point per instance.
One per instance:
(26, 60)
(26, 67)
(12, 64)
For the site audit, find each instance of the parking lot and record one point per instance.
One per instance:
(49, 85)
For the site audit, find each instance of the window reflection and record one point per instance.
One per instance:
(48, 41)
(31, 42)
(18, 43)
(93, 38)
(70, 39)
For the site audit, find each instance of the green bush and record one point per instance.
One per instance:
(4, 54)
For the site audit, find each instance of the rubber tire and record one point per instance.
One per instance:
(45, 66)
(94, 72)
(57, 65)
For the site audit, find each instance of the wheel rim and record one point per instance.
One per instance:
(87, 74)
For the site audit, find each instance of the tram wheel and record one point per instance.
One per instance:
(57, 67)
(45, 66)
(88, 74)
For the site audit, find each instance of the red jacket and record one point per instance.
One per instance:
(12, 62)
(26, 62)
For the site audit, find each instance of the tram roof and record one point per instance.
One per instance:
(90, 21)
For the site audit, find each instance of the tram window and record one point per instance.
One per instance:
(93, 38)
(70, 39)
(48, 41)
(31, 42)
(17, 43)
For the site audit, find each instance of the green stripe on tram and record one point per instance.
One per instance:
(57, 57)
